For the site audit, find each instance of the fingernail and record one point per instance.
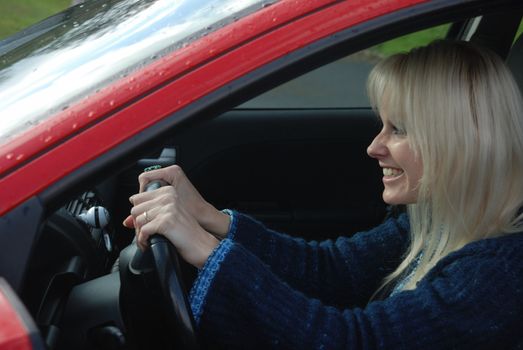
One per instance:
(131, 200)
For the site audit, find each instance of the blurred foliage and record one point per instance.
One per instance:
(407, 42)
(16, 15)
(520, 29)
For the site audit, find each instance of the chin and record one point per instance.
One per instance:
(393, 202)
(398, 200)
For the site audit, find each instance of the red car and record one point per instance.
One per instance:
(259, 101)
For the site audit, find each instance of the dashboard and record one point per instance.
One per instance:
(73, 247)
(72, 285)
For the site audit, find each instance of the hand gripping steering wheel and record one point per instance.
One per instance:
(165, 261)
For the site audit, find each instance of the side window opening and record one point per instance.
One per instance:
(340, 84)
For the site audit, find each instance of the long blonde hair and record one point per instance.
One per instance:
(462, 111)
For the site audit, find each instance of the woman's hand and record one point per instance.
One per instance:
(162, 211)
(211, 219)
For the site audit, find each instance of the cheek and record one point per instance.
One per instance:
(415, 171)
(410, 162)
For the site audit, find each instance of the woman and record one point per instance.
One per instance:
(448, 274)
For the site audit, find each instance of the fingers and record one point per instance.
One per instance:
(146, 231)
(129, 222)
(143, 211)
(158, 194)
(168, 175)
(139, 198)
(142, 237)
(142, 219)
(146, 226)
(141, 215)
(149, 219)
(146, 206)
(139, 209)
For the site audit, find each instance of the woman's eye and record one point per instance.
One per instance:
(398, 131)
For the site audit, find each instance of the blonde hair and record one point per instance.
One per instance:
(462, 111)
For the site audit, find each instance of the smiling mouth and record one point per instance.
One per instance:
(391, 172)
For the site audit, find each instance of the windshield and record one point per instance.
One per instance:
(74, 53)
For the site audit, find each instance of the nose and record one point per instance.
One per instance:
(377, 149)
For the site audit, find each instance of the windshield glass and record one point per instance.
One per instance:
(74, 53)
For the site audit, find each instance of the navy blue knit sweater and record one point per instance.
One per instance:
(260, 289)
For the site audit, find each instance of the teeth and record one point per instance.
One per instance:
(392, 172)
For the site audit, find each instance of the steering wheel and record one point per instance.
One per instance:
(164, 259)
(167, 266)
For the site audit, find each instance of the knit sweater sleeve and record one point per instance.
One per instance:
(469, 301)
(316, 268)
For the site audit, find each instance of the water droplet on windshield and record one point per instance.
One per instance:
(91, 113)
(20, 157)
(75, 125)
(64, 108)
(111, 103)
(48, 138)
(9, 156)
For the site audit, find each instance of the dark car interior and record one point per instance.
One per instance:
(300, 170)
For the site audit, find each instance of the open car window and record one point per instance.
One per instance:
(341, 84)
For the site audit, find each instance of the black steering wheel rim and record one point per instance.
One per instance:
(178, 311)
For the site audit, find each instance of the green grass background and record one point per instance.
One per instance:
(16, 15)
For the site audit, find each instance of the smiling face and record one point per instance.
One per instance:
(402, 169)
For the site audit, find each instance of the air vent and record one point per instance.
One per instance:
(82, 203)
